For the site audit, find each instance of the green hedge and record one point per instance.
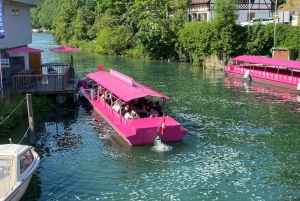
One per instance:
(16, 105)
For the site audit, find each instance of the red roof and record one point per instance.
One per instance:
(24, 49)
(268, 61)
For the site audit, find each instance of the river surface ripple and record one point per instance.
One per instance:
(241, 145)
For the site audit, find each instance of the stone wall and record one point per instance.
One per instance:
(214, 62)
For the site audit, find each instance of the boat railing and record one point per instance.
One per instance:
(53, 81)
(127, 123)
(278, 74)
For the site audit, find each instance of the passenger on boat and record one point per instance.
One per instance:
(128, 114)
(104, 95)
(143, 111)
(135, 114)
(153, 112)
(150, 104)
(124, 109)
(157, 108)
(100, 91)
(116, 106)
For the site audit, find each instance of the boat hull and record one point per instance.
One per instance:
(18, 191)
(140, 131)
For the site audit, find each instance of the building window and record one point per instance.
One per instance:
(14, 12)
(251, 16)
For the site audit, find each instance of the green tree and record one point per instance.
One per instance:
(111, 7)
(225, 17)
(196, 37)
(80, 25)
(46, 14)
(63, 31)
(154, 30)
(102, 21)
(113, 40)
(34, 19)
(261, 39)
(178, 12)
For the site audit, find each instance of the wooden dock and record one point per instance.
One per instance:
(55, 79)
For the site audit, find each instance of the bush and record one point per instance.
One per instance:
(14, 109)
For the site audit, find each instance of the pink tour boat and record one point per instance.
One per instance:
(284, 73)
(136, 131)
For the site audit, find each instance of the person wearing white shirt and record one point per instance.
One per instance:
(128, 114)
(116, 106)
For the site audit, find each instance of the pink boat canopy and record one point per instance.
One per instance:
(122, 86)
(24, 49)
(268, 61)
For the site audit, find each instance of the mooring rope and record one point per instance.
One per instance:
(13, 111)
(25, 135)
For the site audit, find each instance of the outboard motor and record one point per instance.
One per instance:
(157, 140)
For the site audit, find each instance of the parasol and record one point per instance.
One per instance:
(64, 49)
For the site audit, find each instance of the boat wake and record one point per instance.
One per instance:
(104, 136)
(161, 147)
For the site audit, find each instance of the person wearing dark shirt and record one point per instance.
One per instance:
(124, 109)
(157, 108)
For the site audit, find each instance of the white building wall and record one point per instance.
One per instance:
(17, 28)
(244, 14)
(260, 9)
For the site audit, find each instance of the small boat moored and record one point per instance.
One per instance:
(17, 165)
(142, 129)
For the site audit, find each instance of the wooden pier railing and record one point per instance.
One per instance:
(54, 79)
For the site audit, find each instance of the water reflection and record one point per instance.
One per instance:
(272, 94)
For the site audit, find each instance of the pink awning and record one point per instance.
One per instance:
(24, 49)
(122, 89)
(268, 61)
(64, 49)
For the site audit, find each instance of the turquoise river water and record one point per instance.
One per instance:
(241, 144)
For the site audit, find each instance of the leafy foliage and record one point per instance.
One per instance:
(157, 29)
(113, 40)
(197, 38)
(15, 108)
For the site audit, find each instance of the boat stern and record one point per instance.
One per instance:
(146, 131)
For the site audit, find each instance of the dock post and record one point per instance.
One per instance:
(30, 119)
